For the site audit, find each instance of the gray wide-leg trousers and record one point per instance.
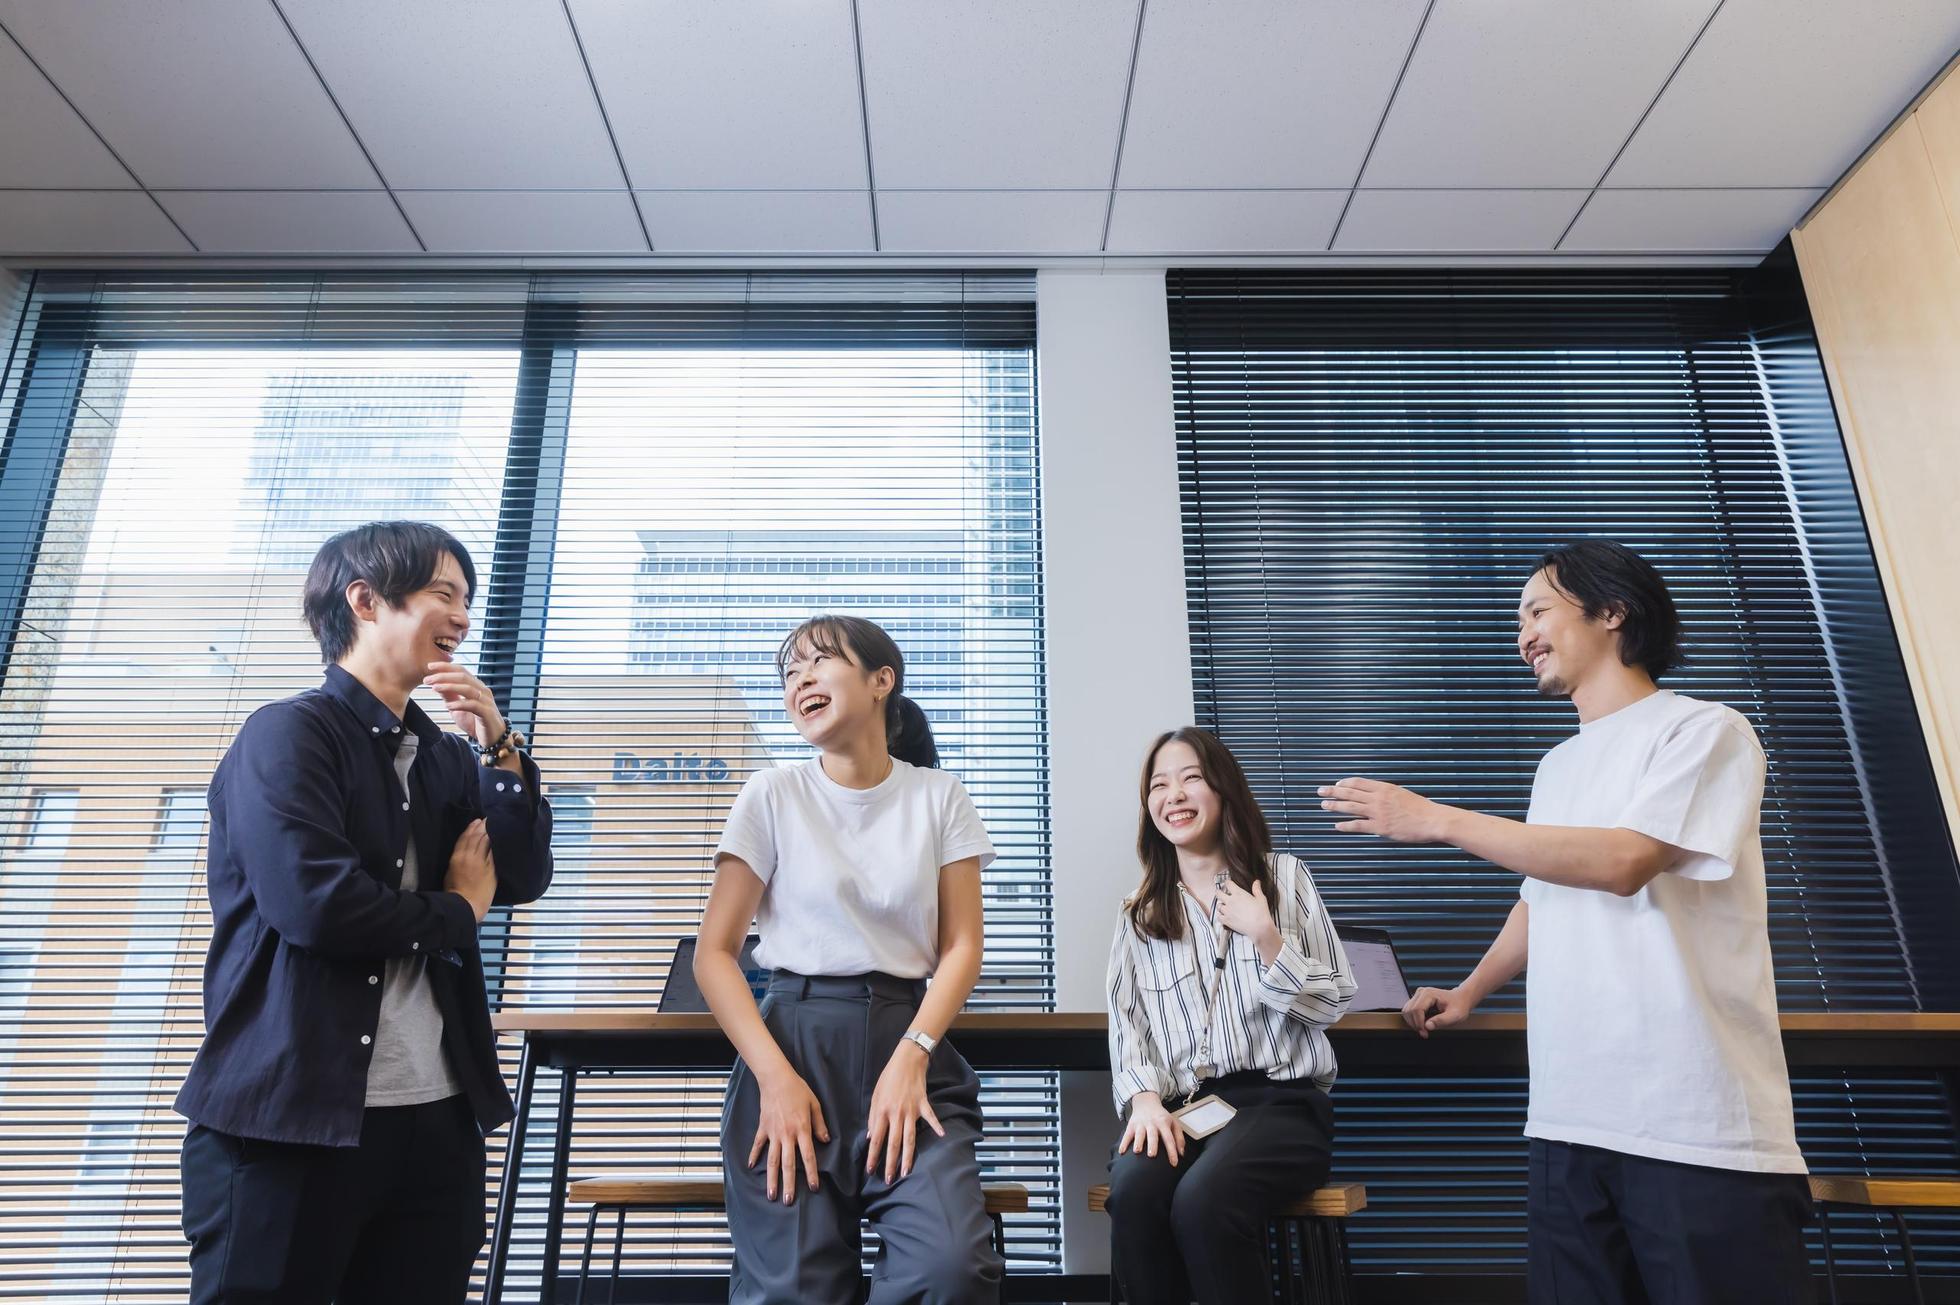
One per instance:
(936, 1241)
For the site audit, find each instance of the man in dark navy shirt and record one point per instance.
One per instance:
(348, 1071)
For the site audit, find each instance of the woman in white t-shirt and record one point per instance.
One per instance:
(1223, 975)
(861, 869)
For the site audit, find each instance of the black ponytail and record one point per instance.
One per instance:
(907, 732)
(908, 735)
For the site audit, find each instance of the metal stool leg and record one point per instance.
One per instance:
(1830, 1255)
(619, 1238)
(1299, 1260)
(1343, 1265)
(1000, 1249)
(1327, 1241)
(1912, 1266)
(1315, 1242)
(585, 1260)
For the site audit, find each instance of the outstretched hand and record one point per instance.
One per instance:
(1398, 814)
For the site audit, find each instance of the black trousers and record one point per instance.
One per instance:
(1198, 1230)
(1614, 1229)
(399, 1218)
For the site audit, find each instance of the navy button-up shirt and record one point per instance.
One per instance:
(309, 829)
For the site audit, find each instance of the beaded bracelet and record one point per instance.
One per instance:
(511, 741)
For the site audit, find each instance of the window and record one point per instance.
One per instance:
(638, 467)
(1370, 463)
(30, 876)
(180, 822)
(554, 967)
(712, 499)
(162, 608)
(51, 818)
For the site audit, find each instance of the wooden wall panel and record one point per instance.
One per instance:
(1881, 265)
(1938, 117)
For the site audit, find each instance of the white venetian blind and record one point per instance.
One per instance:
(657, 477)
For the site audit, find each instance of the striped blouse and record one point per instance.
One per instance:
(1268, 1018)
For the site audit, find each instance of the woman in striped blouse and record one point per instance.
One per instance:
(1223, 975)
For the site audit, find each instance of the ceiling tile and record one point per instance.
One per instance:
(44, 143)
(710, 96)
(1265, 93)
(484, 94)
(1456, 221)
(991, 222)
(525, 221)
(47, 222)
(1789, 92)
(1224, 221)
(195, 93)
(290, 221)
(1001, 94)
(758, 222)
(1528, 93)
(1711, 221)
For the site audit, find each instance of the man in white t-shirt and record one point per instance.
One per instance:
(1664, 1161)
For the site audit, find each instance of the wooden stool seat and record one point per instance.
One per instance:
(636, 1193)
(1891, 1194)
(650, 1193)
(1334, 1201)
(625, 1194)
(1308, 1239)
(1899, 1193)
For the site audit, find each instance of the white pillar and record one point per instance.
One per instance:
(1119, 652)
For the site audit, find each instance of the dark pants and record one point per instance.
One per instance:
(1199, 1229)
(936, 1243)
(398, 1218)
(1614, 1229)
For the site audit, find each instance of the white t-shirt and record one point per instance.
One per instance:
(1652, 1018)
(851, 876)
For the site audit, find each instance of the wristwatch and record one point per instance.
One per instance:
(925, 1040)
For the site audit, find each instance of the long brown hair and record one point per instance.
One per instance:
(1244, 837)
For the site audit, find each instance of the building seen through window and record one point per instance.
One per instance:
(165, 609)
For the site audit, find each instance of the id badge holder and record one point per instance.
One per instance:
(1203, 1117)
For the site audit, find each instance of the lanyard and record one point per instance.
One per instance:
(1206, 1067)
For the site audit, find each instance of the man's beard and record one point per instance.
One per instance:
(1553, 687)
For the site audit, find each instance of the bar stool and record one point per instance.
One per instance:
(1894, 1196)
(1309, 1241)
(697, 1195)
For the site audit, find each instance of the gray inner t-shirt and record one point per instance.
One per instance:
(408, 1066)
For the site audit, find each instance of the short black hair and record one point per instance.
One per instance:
(396, 558)
(1603, 577)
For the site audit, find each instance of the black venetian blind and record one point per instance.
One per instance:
(1370, 463)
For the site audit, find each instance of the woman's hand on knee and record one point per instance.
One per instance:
(1150, 1128)
(791, 1124)
(898, 1103)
